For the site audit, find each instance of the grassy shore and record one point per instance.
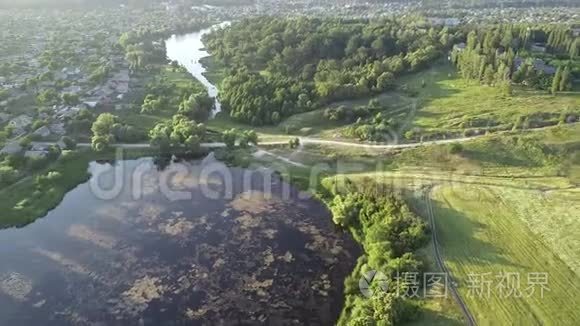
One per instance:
(28, 199)
(25, 201)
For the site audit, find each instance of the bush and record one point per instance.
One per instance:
(294, 142)
(69, 143)
(8, 175)
(455, 148)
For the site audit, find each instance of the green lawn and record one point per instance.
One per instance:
(267, 133)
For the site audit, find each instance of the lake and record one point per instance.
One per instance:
(176, 243)
(188, 50)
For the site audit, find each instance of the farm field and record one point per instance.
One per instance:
(484, 233)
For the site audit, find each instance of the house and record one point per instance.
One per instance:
(72, 90)
(36, 154)
(66, 112)
(449, 22)
(20, 122)
(540, 65)
(91, 104)
(537, 64)
(4, 117)
(42, 131)
(459, 47)
(58, 128)
(11, 148)
(538, 47)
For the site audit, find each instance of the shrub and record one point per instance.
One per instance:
(455, 148)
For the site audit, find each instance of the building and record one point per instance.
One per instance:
(449, 21)
(537, 64)
(20, 123)
(538, 47)
(11, 148)
(36, 154)
(459, 47)
(42, 132)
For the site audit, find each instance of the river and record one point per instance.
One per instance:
(177, 244)
(188, 50)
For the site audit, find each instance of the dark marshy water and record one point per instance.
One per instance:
(151, 256)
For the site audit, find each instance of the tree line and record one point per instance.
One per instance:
(502, 54)
(390, 234)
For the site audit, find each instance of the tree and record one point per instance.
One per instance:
(229, 138)
(151, 104)
(197, 107)
(556, 81)
(47, 97)
(294, 142)
(565, 83)
(70, 99)
(102, 130)
(69, 143)
(8, 175)
(248, 137)
(180, 133)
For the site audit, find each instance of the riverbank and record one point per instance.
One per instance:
(35, 195)
(30, 198)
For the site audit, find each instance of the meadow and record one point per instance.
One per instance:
(502, 203)
(487, 231)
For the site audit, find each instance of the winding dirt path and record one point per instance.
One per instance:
(451, 285)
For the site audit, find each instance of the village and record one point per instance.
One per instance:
(66, 68)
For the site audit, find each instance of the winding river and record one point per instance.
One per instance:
(188, 50)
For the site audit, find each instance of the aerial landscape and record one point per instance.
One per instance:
(307, 162)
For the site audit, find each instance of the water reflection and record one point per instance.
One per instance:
(250, 259)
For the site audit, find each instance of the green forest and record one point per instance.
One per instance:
(280, 67)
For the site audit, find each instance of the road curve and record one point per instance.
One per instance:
(318, 141)
(451, 285)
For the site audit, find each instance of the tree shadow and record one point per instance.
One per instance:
(458, 242)
(434, 317)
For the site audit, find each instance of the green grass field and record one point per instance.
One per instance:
(484, 232)
(446, 106)
(448, 103)
(504, 203)
(145, 122)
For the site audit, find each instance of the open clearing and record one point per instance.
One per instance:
(445, 105)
